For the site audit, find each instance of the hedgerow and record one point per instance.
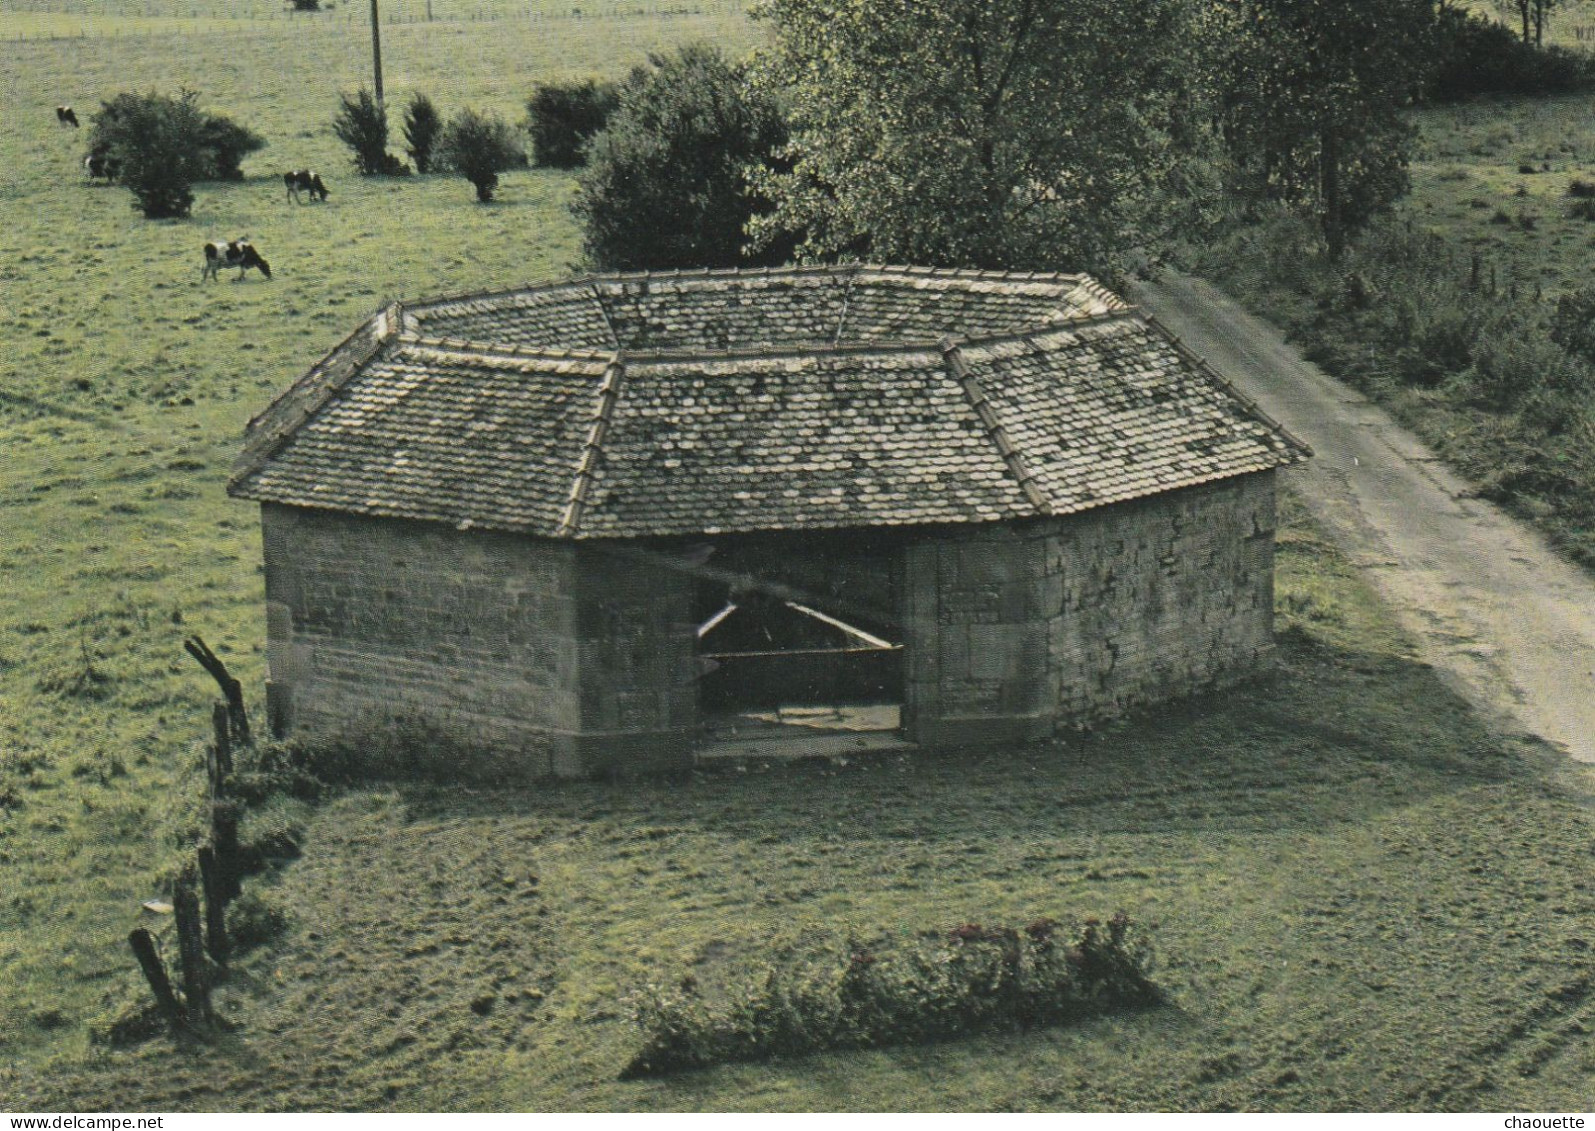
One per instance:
(936, 987)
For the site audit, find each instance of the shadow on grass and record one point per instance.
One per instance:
(1330, 735)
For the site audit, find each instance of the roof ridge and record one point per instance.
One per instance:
(477, 347)
(265, 436)
(1223, 382)
(976, 394)
(592, 448)
(1061, 325)
(603, 312)
(841, 318)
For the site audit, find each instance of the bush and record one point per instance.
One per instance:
(562, 118)
(1476, 55)
(227, 144)
(306, 5)
(421, 128)
(1510, 366)
(479, 147)
(362, 125)
(937, 987)
(155, 139)
(666, 180)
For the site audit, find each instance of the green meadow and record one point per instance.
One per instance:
(1361, 898)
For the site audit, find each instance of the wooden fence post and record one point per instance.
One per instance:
(212, 880)
(224, 839)
(220, 721)
(149, 961)
(232, 690)
(191, 949)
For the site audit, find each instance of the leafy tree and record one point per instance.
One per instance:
(561, 118)
(362, 125)
(991, 133)
(421, 128)
(154, 139)
(479, 147)
(1314, 95)
(666, 181)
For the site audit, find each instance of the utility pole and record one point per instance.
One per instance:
(376, 50)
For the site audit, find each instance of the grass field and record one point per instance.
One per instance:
(1362, 899)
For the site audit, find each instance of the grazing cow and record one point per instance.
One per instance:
(66, 116)
(101, 166)
(305, 180)
(239, 253)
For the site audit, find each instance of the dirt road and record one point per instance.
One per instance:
(1489, 602)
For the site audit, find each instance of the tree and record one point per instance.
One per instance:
(362, 125)
(154, 139)
(479, 147)
(666, 181)
(421, 128)
(562, 118)
(1534, 15)
(1314, 99)
(989, 133)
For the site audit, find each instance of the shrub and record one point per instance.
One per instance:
(227, 144)
(1509, 366)
(562, 118)
(666, 180)
(421, 128)
(939, 986)
(1583, 209)
(155, 141)
(306, 5)
(1580, 187)
(362, 125)
(1476, 55)
(479, 147)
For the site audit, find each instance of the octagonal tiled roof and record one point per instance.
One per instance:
(703, 402)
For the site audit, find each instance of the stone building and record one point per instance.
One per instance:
(575, 525)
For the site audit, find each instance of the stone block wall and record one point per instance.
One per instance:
(572, 659)
(1176, 596)
(1022, 628)
(499, 642)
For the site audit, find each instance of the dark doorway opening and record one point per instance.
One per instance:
(783, 652)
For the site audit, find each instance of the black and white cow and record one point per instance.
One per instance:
(239, 253)
(66, 116)
(305, 180)
(101, 166)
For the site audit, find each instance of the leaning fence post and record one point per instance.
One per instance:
(149, 960)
